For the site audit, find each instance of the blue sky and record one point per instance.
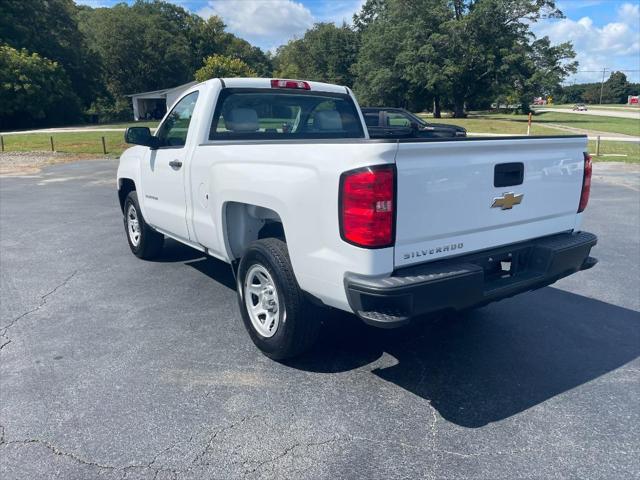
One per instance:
(605, 33)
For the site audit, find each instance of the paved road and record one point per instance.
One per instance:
(116, 368)
(599, 112)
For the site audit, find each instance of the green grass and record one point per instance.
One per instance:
(507, 123)
(498, 123)
(70, 142)
(627, 126)
(630, 149)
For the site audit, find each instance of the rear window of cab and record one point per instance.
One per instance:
(268, 114)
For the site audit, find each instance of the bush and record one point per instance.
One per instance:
(219, 66)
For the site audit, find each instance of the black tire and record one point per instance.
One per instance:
(299, 322)
(150, 244)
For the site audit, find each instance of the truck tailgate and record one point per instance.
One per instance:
(448, 202)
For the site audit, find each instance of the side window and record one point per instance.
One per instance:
(371, 119)
(395, 119)
(173, 131)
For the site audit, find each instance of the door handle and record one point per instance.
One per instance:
(175, 164)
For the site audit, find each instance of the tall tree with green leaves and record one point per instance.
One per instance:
(615, 89)
(145, 46)
(212, 39)
(34, 90)
(50, 29)
(452, 50)
(325, 53)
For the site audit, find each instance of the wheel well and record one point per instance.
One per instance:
(245, 223)
(125, 186)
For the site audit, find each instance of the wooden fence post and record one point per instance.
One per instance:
(51, 140)
(2, 143)
(598, 146)
(104, 147)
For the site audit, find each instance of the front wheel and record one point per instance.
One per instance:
(279, 319)
(144, 242)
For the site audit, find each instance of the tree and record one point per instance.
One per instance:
(212, 39)
(221, 66)
(545, 67)
(325, 53)
(615, 88)
(146, 46)
(50, 28)
(454, 51)
(33, 90)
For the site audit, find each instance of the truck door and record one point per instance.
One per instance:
(163, 171)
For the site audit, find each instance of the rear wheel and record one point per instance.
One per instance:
(280, 320)
(144, 242)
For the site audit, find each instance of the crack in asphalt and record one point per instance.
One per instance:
(288, 451)
(43, 302)
(83, 461)
(209, 445)
(5, 343)
(58, 451)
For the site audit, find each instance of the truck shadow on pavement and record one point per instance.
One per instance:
(479, 366)
(486, 365)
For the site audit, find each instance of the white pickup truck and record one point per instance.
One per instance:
(280, 179)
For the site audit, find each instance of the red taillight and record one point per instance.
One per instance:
(367, 205)
(586, 183)
(290, 84)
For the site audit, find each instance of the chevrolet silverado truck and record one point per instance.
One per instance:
(280, 179)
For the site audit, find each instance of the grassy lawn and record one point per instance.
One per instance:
(628, 126)
(630, 149)
(72, 142)
(498, 123)
(507, 123)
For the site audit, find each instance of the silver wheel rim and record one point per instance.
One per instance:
(133, 225)
(261, 300)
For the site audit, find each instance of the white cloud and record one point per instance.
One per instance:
(615, 45)
(266, 23)
(630, 14)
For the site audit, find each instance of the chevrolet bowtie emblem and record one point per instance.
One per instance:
(507, 201)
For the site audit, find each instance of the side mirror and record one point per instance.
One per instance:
(141, 136)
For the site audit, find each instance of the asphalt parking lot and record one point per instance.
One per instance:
(114, 368)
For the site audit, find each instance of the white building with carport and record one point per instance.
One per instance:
(153, 105)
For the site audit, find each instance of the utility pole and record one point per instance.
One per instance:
(602, 85)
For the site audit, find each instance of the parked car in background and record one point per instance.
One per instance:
(384, 122)
(579, 107)
(280, 179)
